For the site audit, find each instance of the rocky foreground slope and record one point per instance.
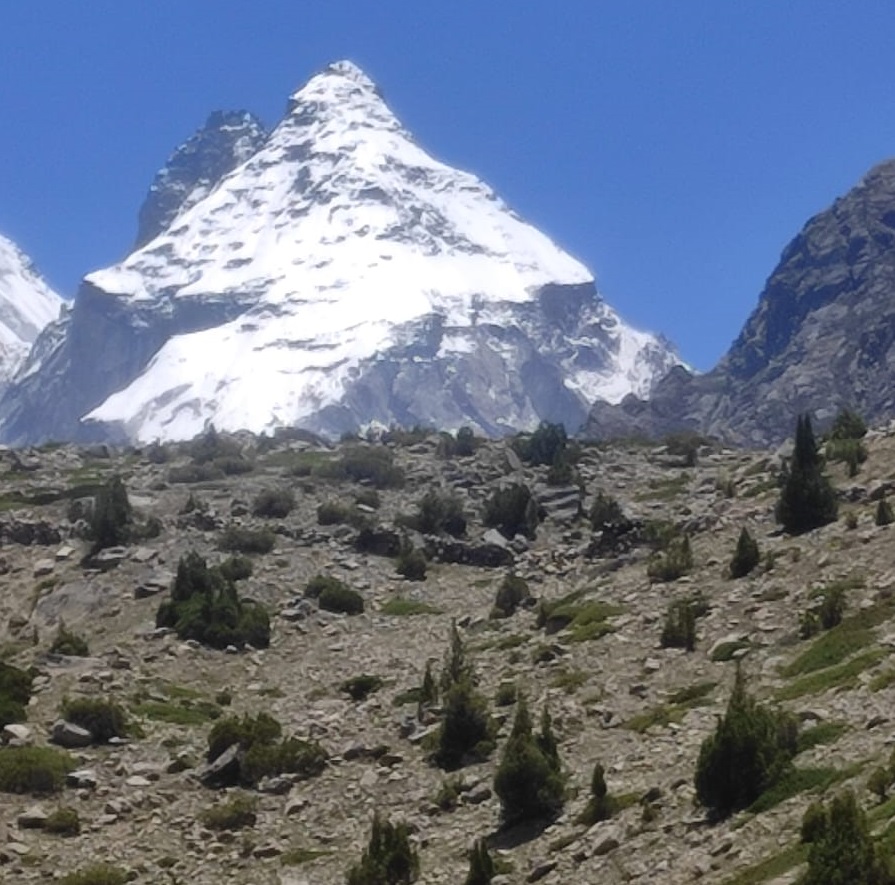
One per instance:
(330, 275)
(820, 338)
(616, 696)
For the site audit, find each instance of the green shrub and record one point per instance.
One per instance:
(884, 514)
(103, 719)
(842, 849)
(247, 731)
(67, 643)
(481, 865)
(96, 874)
(513, 511)
(111, 517)
(746, 556)
(813, 822)
(15, 692)
(192, 473)
(852, 451)
(460, 446)
(411, 563)
(511, 593)
(237, 539)
(237, 812)
(544, 446)
(33, 769)
(319, 583)
(506, 694)
(274, 503)
(237, 568)
(388, 859)
(807, 499)
(64, 821)
(605, 510)
(680, 626)
(528, 780)
(341, 599)
(750, 750)
(205, 606)
(438, 512)
(359, 688)
(674, 562)
(375, 465)
(848, 425)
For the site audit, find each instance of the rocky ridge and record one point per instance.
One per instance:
(820, 339)
(615, 695)
(339, 277)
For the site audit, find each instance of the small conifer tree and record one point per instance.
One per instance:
(481, 865)
(842, 850)
(600, 806)
(884, 514)
(389, 859)
(746, 556)
(528, 780)
(750, 750)
(807, 499)
(110, 523)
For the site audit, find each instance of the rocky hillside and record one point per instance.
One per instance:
(333, 276)
(587, 645)
(820, 339)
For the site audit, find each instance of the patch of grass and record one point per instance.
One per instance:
(832, 677)
(665, 489)
(772, 867)
(234, 814)
(96, 874)
(178, 714)
(569, 680)
(883, 680)
(514, 640)
(296, 857)
(799, 780)
(850, 636)
(823, 733)
(584, 620)
(398, 607)
(64, 821)
(674, 711)
(761, 488)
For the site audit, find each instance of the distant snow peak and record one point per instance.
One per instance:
(27, 305)
(350, 71)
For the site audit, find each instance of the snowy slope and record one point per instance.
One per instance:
(27, 305)
(341, 275)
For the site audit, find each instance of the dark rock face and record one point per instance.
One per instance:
(227, 139)
(820, 339)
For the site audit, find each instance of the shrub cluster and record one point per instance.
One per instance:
(460, 446)
(438, 511)
(238, 539)
(545, 446)
(605, 510)
(262, 751)
(513, 511)
(204, 606)
(38, 770)
(97, 874)
(15, 692)
(102, 718)
(334, 595)
(675, 561)
(511, 593)
(679, 630)
(110, 521)
(370, 464)
(411, 563)
(67, 643)
(237, 812)
(274, 503)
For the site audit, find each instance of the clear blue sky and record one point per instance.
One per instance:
(674, 147)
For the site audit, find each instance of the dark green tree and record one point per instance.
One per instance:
(807, 499)
(110, 522)
(600, 806)
(746, 556)
(389, 859)
(884, 514)
(842, 851)
(750, 750)
(679, 630)
(481, 865)
(848, 425)
(528, 781)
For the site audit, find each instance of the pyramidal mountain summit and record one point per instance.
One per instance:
(332, 275)
(27, 306)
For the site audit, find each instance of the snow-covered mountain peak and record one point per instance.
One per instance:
(27, 305)
(340, 275)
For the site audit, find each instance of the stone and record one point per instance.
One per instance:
(43, 567)
(82, 779)
(69, 735)
(16, 734)
(32, 818)
(222, 771)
